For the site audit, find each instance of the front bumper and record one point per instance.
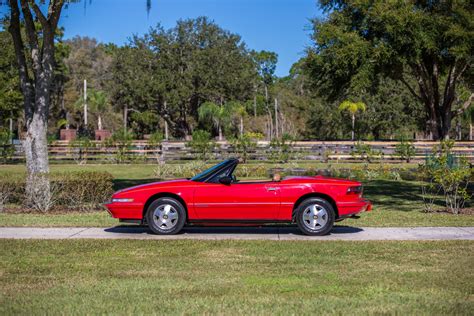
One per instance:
(129, 210)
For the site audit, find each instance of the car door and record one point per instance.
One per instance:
(237, 201)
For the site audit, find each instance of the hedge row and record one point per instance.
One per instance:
(84, 190)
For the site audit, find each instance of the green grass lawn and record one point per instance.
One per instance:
(396, 203)
(235, 277)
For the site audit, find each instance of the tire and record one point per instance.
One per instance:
(315, 217)
(166, 216)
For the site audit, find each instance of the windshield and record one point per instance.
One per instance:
(208, 172)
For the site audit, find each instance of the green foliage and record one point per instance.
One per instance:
(186, 170)
(7, 149)
(281, 148)
(78, 191)
(172, 66)
(144, 122)
(448, 174)
(122, 141)
(245, 144)
(365, 152)
(201, 144)
(155, 139)
(418, 44)
(405, 150)
(79, 148)
(352, 107)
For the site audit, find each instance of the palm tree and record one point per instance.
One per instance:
(99, 104)
(237, 110)
(211, 112)
(352, 108)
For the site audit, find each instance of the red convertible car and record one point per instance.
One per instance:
(217, 197)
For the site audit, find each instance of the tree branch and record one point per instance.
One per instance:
(38, 13)
(465, 105)
(25, 80)
(412, 91)
(54, 12)
(32, 37)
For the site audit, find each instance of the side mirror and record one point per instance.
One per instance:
(225, 180)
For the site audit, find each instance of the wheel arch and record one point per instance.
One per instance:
(315, 195)
(156, 196)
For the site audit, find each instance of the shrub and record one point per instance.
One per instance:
(281, 148)
(187, 170)
(9, 189)
(448, 174)
(243, 145)
(154, 143)
(405, 150)
(85, 190)
(365, 152)
(201, 144)
(80, 148)
(122, 141)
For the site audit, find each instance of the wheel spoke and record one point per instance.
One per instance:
(315, 217)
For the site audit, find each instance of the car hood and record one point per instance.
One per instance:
(158, 184)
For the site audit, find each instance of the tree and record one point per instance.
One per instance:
(99, 104)
(425, 45)
(352, 108)
(211, 112)
(35, 56)
(173, 71)
(265, 64)
(36, 70)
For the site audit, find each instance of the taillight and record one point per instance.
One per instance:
(355, 190)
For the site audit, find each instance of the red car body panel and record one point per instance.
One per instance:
(242, 201)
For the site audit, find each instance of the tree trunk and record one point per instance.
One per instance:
(99, 122)
(470, 131)
(353, 127)
(11, 130)
(276, 117)
(38, 194)
(125, 117)
(166, 122)
(241, 126)
(220, 132)
(255, 102)
(85, 103)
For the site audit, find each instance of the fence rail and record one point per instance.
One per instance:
(141, 150)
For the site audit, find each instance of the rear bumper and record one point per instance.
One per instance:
(125, 210)
(347, 209)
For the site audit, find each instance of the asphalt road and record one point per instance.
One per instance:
(242, 233)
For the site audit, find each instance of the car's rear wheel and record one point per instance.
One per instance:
(315, 217)
(166, 216)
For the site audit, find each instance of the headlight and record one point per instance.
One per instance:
(122, 200)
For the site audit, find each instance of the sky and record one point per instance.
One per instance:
(281, 26)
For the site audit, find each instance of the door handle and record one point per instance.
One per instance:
(271, 189)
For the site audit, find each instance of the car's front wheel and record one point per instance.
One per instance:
(315, 217)
(166, 216)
